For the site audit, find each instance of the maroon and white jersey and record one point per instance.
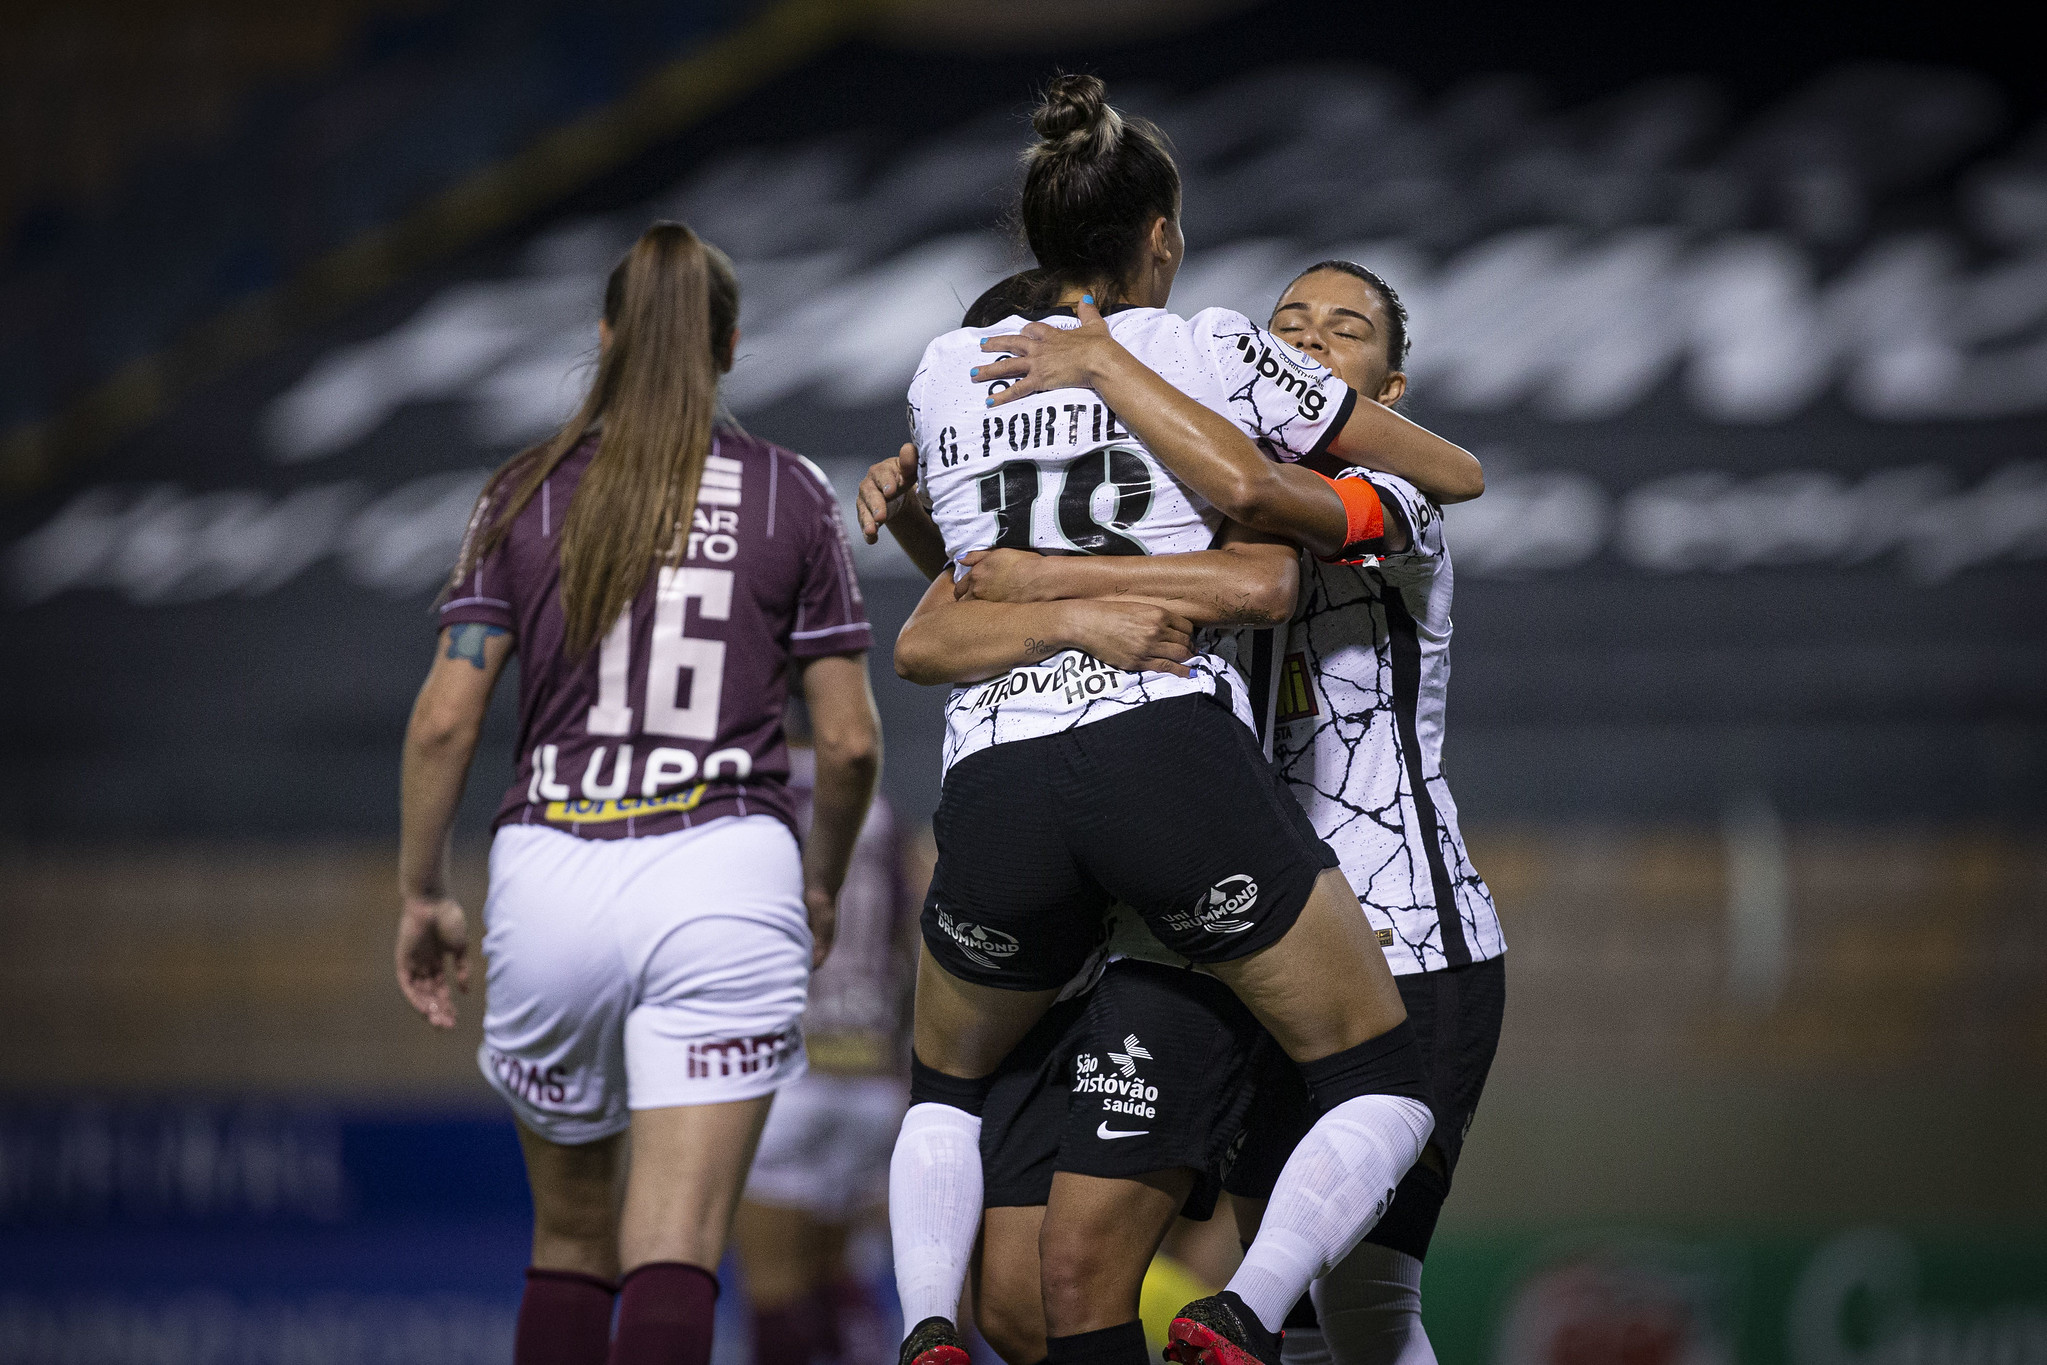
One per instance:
(676, 717)
(859, 999)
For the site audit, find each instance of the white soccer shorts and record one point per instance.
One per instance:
(826, 1147)
(642, 973)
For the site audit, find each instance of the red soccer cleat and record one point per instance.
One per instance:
(1220, 1330)
(934, 1341)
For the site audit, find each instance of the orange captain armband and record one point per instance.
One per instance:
(1364, 519)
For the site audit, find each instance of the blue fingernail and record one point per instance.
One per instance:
(1087, 298)
(974, 373)
(991, 400)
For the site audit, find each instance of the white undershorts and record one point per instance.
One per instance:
(642, 973)
(827, 1144)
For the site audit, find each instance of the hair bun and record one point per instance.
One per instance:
(1072, 105)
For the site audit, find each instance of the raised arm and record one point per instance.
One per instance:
(1209, 451)
(961, 640)
(440, 742)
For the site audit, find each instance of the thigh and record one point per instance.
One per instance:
(1179, 816)
(714, 927)
(1009, 906)
(965, 1029)
(1325, 986)
(687, 1167)
(557, 993)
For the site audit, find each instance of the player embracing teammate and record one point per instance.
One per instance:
(1116, 761)
(651, 923)
(1351, 695)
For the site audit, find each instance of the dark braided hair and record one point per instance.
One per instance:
(1094, 183)
(1396, 311)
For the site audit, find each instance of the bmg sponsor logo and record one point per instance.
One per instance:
(714, 1058)
(983, 946)
(1284, 376)
(1220, 910)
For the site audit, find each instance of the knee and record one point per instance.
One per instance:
(576, 1234)
(1084, 1285)
(1013, 1324)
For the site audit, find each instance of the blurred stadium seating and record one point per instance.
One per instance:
(1750, 714)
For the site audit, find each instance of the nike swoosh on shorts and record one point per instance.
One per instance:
(1103, 1130)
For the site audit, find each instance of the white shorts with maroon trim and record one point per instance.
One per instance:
(827, 1144)
(642, 973)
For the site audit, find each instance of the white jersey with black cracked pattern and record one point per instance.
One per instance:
(1059, 473)
(1354, 691)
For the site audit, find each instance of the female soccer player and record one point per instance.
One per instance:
(1356, 711)
(651, 923)
(1071, 783)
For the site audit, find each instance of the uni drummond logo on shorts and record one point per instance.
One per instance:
(982, 945)
(1220, 910)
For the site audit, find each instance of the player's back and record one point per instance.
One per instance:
(676, 717)
(1059, 473)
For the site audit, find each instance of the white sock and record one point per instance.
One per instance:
(1332, 1190)
(934, 1208)
(1371, 1309)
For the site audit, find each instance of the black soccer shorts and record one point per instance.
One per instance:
(1456, 1014)
(1171, 809)
(1160, 1069)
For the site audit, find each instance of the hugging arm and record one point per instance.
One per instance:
(1211, 453)
(1250, 579)
(888, 497)
(961, 640)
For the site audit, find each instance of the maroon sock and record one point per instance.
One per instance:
(787, 1335)
(664, 1315)
(859, 1336)
(564, 1319)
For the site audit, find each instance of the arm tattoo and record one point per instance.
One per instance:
(1035, 648)
(466, 640)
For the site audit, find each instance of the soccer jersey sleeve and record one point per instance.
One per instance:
(1399, 502)
(1291, 405)
(483, 596)
(831, 617)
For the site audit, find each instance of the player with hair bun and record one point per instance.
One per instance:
(1353, 688)
(651, 922)
(1085, 777)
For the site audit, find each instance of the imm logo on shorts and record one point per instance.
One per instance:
(718, 1057)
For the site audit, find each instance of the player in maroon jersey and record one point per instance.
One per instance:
(651, 923)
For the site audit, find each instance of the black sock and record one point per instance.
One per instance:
(1389, 1064)
(1122, 1344)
